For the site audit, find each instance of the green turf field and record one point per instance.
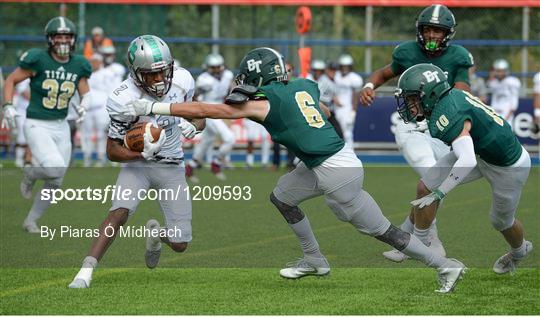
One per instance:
(231, 266)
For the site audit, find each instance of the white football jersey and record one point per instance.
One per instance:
(536, 83)
(504, 94)
(19, 101)
(182, 90)
(100, 83)
(346, 85)
(212, 89)
(119, 71)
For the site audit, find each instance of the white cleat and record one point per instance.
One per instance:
(508, 264)
(395, 256)
(79, 283)
(153, 244)
(31, 227)
(448, 277)
(26, 186)
(306, 266)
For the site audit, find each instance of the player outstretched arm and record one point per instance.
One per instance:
(375, 80)
(256, 109)
(463, 148)
(9, 112)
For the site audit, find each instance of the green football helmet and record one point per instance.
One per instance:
(421, 85)
(438, 16)
(61, 25)
(260, 67)
(149, 54)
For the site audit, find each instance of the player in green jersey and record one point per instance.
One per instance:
(483, 145)
(435, 27)
(291, 113)
(55, 74)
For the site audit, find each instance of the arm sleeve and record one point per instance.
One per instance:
(462, 75)
(463, 148)
(397, 64)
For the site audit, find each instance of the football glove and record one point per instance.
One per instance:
(141, 107)
(425, 201)
(241, 94)
(10, 117)
(189, 130)
(151, 149)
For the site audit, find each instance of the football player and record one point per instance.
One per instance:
(435, 27)
(55, 75)
(212, 86)
(536, 89)
(291, 113)
(483, 145)
(349, 85)
(21, 99)
(504, 89)
(160, 165)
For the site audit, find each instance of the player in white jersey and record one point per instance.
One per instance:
(504, 90)
(109, 56)
(212, 86)
(97, 119)
(256, 132)
(21, 100)
(159, 166)
(349, 85)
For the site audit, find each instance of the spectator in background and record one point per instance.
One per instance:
(349, 85)
(97, 40)
(478, 85)
(109, 61)
(21, 100)
(504, 90)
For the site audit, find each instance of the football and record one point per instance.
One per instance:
(134, 138)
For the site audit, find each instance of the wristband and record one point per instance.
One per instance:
(369, 85)
(163, 108)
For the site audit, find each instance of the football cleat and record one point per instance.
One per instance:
(306, 266)
(448, 277)
(395, 256)
(26, 185)
(216, 169)
(79, 283)
(31, 227)
(153, 245)
(508, 263)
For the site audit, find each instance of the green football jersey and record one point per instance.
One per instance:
(455, 61)
(53, 83)
(296, 121)
(492, 136)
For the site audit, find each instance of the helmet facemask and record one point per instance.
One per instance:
(156, 89)
(409, 104)
(60, 46)
(433, 46)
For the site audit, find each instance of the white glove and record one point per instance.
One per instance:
(425, 201)
(189, 131)
(141, 107)
(421, 126)
(151, 149)
(81, 112)
(10, 117)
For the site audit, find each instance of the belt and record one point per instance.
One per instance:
(169, 160)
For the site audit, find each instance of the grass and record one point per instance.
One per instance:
(231, 266)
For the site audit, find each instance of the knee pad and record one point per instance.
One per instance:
(395, 237)
(292, 214)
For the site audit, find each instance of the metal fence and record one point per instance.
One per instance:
(367, 33)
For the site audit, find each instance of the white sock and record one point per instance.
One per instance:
(519, 252)
(88, 266)
(417, 250)
(250, 159)
(422, 235)
(407, 225)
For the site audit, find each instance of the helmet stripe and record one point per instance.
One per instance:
(62, 23)
(435, 14)
(280, 59)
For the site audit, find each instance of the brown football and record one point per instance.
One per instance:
(134, 138)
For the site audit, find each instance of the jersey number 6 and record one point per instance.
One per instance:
(306, 104)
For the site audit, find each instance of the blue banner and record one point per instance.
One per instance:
(377, 123)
